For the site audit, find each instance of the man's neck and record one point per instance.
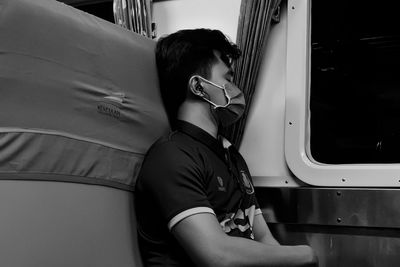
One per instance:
(200, 115)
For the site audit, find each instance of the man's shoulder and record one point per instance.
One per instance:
(173, 142)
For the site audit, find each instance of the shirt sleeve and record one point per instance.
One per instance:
(175, 180)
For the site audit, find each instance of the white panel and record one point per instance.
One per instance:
(171, 16)
(263, 141)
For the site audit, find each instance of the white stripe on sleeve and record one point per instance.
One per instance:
(186, 213)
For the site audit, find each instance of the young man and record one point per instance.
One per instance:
(195, 201)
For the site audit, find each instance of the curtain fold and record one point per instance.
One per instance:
(253, 29)
(134, 15)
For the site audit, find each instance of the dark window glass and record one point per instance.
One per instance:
(102, 10)
(99, 8)
(355, 82)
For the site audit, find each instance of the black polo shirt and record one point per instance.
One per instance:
(185, 173)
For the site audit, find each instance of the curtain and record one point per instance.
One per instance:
(254, 24)
(135, 15)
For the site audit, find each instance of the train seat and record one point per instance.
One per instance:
(79, 107)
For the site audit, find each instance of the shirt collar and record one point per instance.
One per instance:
(202, 136)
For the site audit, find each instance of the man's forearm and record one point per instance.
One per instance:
(207, 245)
(245, 252)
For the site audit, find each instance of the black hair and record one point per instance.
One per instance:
(183, 54)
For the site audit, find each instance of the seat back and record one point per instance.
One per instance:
(79, 107)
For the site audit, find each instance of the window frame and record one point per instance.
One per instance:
(297, 125)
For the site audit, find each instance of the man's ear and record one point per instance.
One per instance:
(195, 86)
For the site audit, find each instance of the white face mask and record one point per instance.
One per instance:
(235, 102)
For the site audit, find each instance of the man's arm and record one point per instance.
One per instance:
(261, 231)
(207, 245)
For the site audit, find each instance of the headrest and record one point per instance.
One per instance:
(79, 97)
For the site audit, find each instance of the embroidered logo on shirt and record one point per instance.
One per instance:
(246, 182)
(221, 186)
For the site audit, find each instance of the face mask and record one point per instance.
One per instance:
(235, 103)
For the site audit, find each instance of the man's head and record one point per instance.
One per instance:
(186, 53)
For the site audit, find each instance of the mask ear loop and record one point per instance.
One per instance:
(215, 106)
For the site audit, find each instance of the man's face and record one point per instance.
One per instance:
(220, 74)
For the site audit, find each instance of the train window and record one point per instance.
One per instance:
(343, 102)
(355, 96)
